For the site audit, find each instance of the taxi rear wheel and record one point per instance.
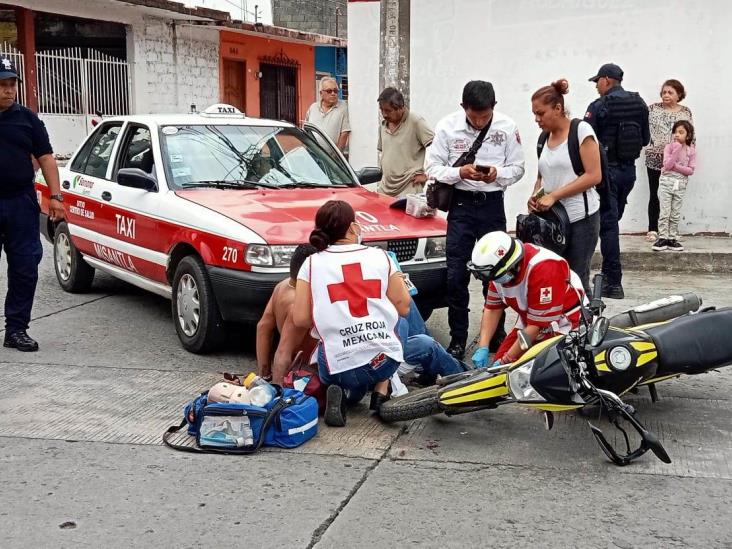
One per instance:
(195, 311)
(73, 273)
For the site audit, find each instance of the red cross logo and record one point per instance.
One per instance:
(355, 290)
(546, 292)
(501, 252)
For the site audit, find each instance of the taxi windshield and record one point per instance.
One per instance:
(248, 156)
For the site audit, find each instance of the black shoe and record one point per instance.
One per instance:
(377, 399)
(674, 246)
(660, 245)
(613, 291)
(457, 349)
(21, 341)
(335, 407)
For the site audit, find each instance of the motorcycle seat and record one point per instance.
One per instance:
(694, 343)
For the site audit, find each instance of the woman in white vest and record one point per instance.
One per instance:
(352, 295)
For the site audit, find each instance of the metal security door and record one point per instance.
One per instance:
(278, 92)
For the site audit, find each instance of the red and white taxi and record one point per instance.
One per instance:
(207, 208)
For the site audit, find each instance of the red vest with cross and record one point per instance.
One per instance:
(352, 316)
(547, 294)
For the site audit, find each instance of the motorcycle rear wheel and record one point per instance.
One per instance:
(414, 405)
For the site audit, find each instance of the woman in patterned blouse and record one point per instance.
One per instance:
(661, 118)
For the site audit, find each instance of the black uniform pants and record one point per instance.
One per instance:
(471, 215)
(20, 240)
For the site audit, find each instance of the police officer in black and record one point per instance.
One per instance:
(23, 137)
(620, 120)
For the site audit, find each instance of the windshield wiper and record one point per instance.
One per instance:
(229, 184)
(310, 185)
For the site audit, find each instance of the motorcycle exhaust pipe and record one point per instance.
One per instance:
(657, 311)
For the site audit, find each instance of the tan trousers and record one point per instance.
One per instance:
(671, 191)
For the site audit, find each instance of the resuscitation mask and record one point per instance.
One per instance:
(505, 278)
(359, 235)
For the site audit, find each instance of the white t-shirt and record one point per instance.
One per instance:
(352, 316)
(556, 171)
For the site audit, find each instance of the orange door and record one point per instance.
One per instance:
(234, 83)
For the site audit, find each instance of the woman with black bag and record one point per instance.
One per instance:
(558, 182)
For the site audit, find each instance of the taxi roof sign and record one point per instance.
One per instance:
(222, 109)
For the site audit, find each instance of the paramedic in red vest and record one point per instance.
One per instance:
(535, 282)
(353, 296)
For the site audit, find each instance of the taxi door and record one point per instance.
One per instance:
(82, 183)
(133, 237)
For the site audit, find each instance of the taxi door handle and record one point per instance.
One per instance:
(66, 184)
(106, 195)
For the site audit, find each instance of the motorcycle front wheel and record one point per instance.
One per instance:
(413, 405)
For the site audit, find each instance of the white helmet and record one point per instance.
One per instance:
(495, 255)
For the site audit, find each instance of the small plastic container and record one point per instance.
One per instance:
(261, 393)
(417, 206)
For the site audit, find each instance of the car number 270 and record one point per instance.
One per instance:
(230, 254)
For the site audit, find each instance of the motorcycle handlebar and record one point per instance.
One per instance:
(597, 287)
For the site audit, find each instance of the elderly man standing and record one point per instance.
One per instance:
(22, 138)
(403, 139)
(488, 145)
(331, 115)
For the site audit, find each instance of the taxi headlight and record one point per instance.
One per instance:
(519, 385)
(269, 256)
(620, 358)
(435, 246)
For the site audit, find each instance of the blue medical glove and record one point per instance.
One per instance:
(497, 363)
(480, 357)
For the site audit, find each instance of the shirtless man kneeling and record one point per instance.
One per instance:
(277, 317)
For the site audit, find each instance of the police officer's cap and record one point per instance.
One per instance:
(608, 70)
(7, 69)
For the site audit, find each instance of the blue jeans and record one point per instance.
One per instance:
(613, 198)
(415, 321)
(582, 243)
(20, 239)
(423, 351)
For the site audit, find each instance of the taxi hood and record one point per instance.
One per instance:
(287, 216)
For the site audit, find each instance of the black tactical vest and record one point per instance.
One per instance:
(622, 133)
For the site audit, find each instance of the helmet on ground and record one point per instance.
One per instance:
(495, 255)
(547, 229)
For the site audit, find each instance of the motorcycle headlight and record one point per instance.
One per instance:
(436, 246)
(269, 256)
(519, 384)
(620, 358)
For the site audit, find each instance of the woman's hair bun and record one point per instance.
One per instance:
(319, 239)
(561, 85)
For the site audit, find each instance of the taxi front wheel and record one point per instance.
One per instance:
(195, 311)
(73, 273)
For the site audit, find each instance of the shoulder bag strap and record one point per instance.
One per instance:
(573, 145)
(468, 157)
(280, 405)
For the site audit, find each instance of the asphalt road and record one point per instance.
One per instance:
(82, 464)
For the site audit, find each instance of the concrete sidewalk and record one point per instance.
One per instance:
(708, 254)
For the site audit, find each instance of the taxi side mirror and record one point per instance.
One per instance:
(137, 179)
(369, 175)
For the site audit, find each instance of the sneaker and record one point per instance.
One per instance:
(21, 341)
(651, 236)
(335, 407)
(660, 245)
(457, 349)
(674, 246)
(613, 291)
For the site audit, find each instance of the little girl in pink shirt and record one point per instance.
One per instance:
(679, 162)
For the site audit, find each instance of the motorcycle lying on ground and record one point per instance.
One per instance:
(593, 365)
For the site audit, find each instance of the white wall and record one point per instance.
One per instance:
(363, 82)
(520, 45)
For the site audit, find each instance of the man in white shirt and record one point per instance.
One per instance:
(331, 115)
(477, 204)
